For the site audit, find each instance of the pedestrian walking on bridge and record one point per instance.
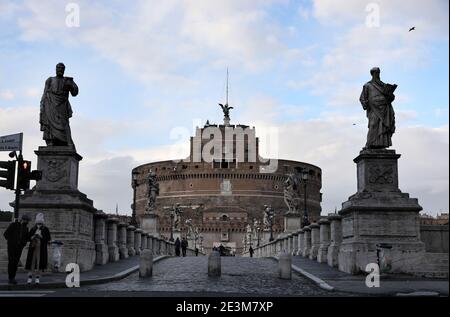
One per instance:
(177, 246)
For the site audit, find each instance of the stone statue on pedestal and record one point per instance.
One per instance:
(376, 98)
(55, 109)
(291, 185)
(152, 191)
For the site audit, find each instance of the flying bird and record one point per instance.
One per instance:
(412, 29)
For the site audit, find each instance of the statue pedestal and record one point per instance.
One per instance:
(68, 213)
(380, 213)
(150, 224)
(292, 222)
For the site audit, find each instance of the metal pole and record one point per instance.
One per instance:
(17, 192)
(271, 229)
(133, 217)
(171, 227)
(305, 216)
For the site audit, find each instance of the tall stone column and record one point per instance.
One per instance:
(306, 241)
(301, 242)
(101, 248)
(315, 241)
(324, 240)
(137, 241)
(380, 213)
(122, 238)
(113, 248)
(335, 239)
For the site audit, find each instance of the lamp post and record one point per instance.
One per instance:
(172, 216)
(134, 177)
(305, 220)
(258, 230)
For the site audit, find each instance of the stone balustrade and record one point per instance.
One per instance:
(319, 242)
(115, 240)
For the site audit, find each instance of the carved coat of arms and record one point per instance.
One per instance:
(55, 170)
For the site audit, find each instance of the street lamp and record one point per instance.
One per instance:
(134, 177)
(172, 216)
(258, 230)
(305, 177)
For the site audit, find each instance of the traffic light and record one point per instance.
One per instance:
(23, 175)
(7, 174)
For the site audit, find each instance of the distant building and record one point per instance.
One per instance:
(441, 219)
(223, 195)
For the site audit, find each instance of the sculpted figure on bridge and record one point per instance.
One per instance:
(152, 191)
(55, 109)
(291, 185)
(376, 98)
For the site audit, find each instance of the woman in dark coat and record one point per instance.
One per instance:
(37, 257)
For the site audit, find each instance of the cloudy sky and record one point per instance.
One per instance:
(149, 71)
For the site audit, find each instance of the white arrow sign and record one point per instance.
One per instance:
(11, 142)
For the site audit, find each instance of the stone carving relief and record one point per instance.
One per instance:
(381, 174)
(55, 170)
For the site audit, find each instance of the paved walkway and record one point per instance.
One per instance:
(389, 286)
(99, 274)
(188, 277)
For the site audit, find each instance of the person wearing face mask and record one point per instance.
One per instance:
(37, 257)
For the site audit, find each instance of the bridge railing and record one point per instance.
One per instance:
(320, 241)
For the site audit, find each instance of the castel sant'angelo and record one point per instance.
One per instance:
(220, 191)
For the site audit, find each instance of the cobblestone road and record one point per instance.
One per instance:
(244, 276)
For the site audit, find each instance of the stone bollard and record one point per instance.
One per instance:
(301, 242)
(214, 264)
(324, 240)
(315, 241)
(146, 264)
(335, 239)
(306, 241)
(285, 266)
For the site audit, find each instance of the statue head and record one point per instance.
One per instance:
(375, 72)
(60, 68)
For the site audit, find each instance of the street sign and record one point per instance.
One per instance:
(11, 142)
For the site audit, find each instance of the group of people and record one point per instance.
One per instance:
(181, 245)
(18, 235)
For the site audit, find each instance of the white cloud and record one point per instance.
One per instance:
(155, 38)
(7, 95)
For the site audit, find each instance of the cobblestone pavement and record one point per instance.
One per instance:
(240, 276)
